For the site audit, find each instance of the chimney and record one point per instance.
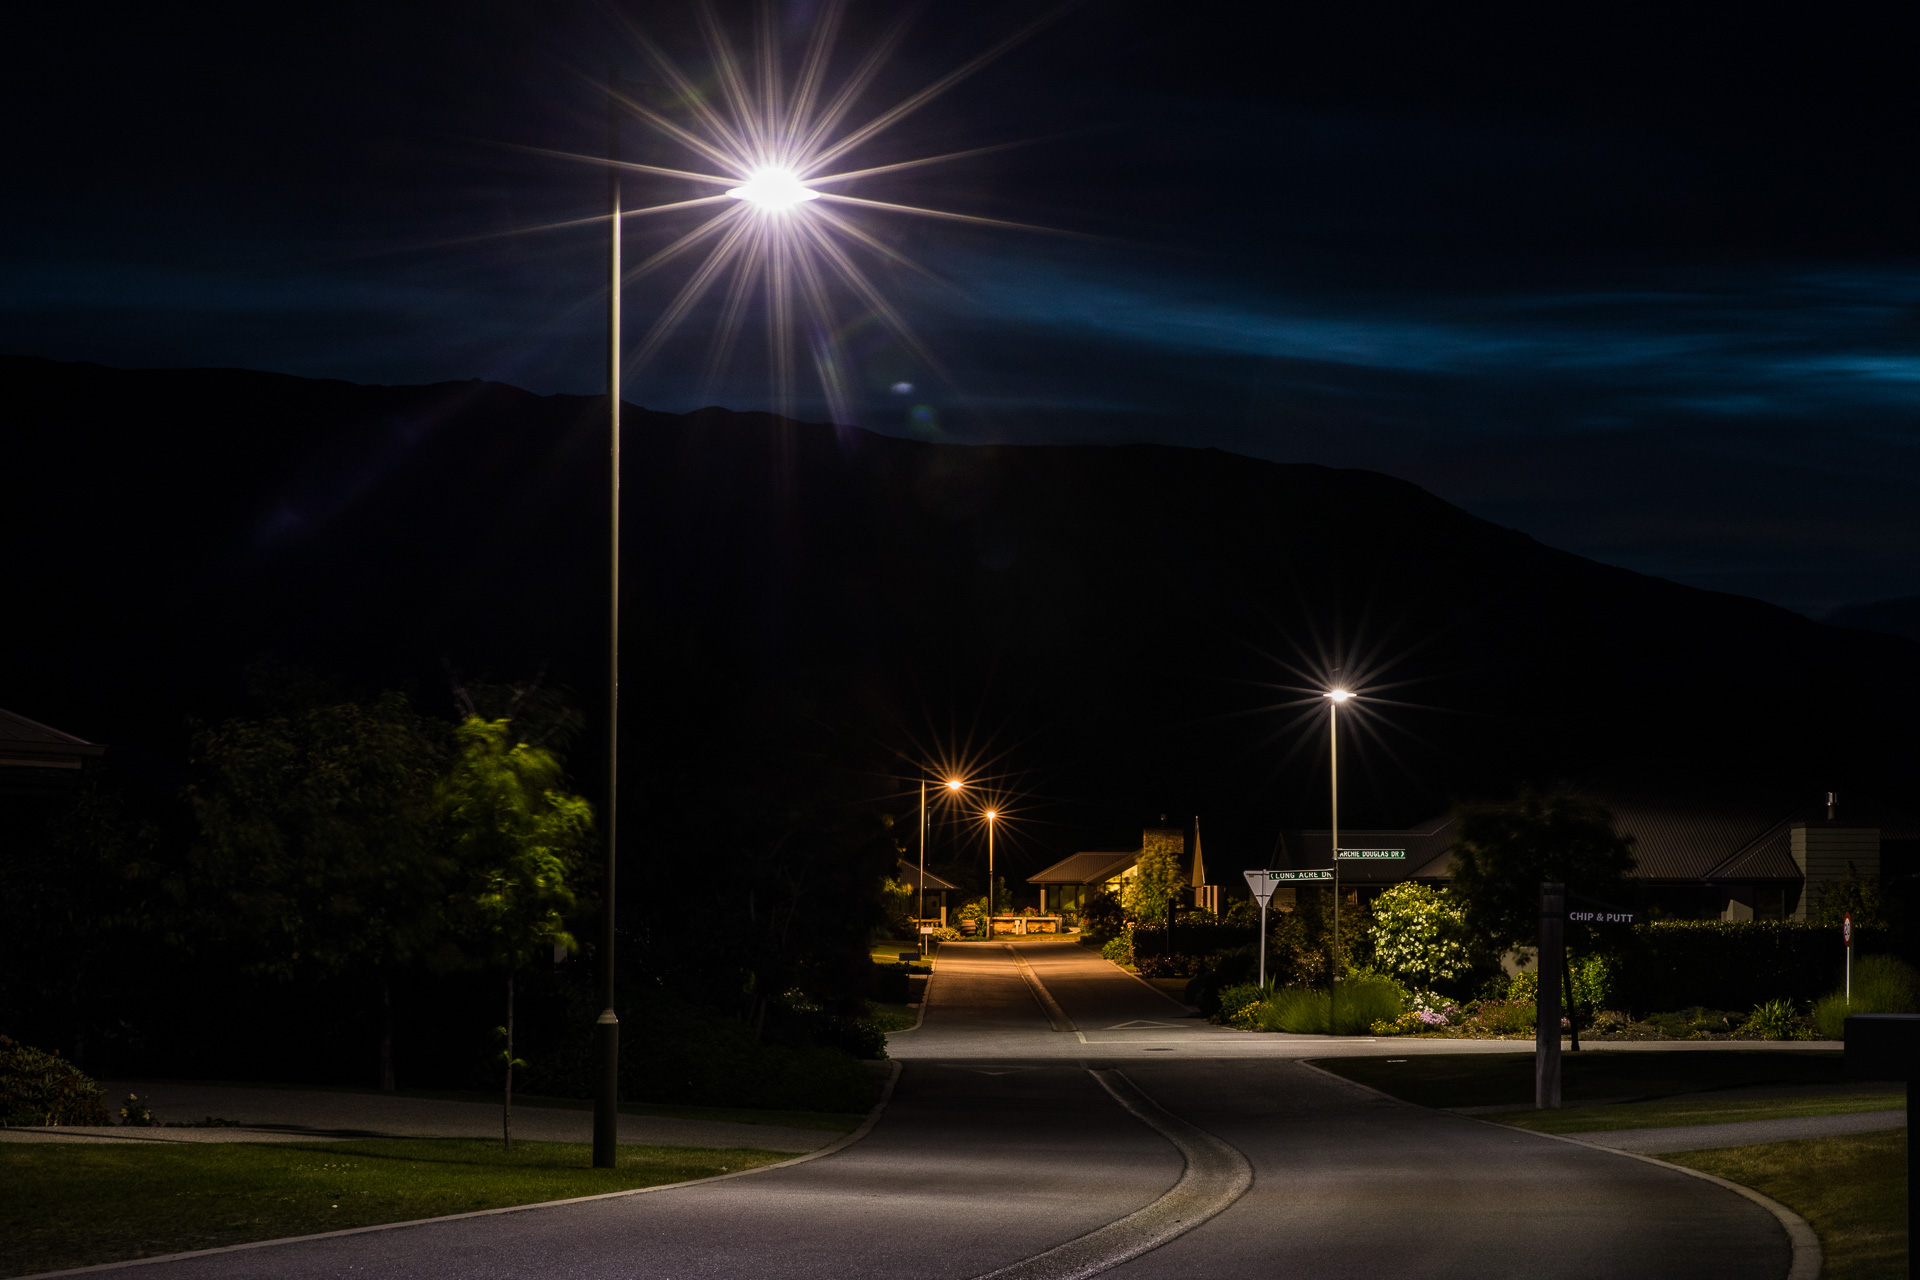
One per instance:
(1829, 806)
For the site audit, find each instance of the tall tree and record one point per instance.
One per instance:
(317, 847)
(1502, 853)
(1151, 891)
(522, 839)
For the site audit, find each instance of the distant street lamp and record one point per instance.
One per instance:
(1334, 698)
(953, 784)
(990, 816)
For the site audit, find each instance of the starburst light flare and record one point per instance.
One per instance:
(789, 237)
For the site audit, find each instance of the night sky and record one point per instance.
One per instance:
(1642, 284)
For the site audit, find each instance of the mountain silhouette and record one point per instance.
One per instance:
(1123, 630)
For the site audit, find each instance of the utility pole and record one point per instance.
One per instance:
(606, 1029)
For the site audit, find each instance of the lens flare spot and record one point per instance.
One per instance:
(773, 189)
(924, 417)
(903, 388)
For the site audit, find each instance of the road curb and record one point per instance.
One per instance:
(1056, 1016)
(1216, 1174)
(1807, 1256)
(866, 1127)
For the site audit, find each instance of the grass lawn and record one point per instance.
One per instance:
(893, 1017)
(1491, 1079)
(1852, 1190)
(68, 1205)
(828, 1121)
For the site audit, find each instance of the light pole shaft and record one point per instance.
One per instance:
(920, 912)
(606, 1094)
(1333, 764)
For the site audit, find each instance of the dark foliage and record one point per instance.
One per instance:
(1503, 853)
(38, 1088)
(1732, 965)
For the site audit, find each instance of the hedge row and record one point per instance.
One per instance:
(1732, 965)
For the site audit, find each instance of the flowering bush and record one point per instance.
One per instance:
(1119, 950)
(1240, 1005)
(1414, 1021)
(1419, 935)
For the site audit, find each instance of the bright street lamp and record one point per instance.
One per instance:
(990, 815)
(953, 784)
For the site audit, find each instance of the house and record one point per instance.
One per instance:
(1066, 885)
(1720, 859)
(934, 889)
(35, 757)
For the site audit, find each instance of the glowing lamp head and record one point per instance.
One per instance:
(1339, 695)
(954, 784)
(774, 190)
(991, 815)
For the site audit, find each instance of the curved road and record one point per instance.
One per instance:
(1038, 1130)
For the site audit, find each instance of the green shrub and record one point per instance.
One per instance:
(1362, 1003)
(1119, 950)
(1504, 1017)
(38, 1089)
(1237, 1002)
(1881, 984)
(890, 983)
(1774, 1020)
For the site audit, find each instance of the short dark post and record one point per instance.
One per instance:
(1886, 1046)
(1546, 1036)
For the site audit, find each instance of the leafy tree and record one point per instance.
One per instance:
(1502, 854)
(1419, 935)
(522, 839)
(316, 850)
(1150, 892)
(1861, 897)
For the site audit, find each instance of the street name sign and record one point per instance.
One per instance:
(1263, 883)
(1369, 855)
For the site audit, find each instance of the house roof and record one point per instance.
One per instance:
(28, 743)
(1426, 845)
(1729, 839)
(910, 877)
(1086, 868)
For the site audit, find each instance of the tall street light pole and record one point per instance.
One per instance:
(1334, 698)
(606, 1029)
(991, 904)
(920, 912)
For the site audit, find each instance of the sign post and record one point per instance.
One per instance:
(1546, 1034)
(1846, 940)
(1263, 883)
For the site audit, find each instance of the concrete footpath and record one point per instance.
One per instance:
(301, 1115)
(1741, 1133)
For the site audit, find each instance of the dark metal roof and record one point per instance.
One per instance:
(29, 743)
(1426, 846)
(1748, 838)
(1086, 868)
(910, 877)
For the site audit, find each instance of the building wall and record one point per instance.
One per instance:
(1827, 853)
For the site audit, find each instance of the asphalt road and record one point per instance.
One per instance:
(1069, 1121)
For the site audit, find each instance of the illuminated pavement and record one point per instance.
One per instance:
(1002, 1144)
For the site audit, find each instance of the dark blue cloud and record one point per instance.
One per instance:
(1680, 333)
